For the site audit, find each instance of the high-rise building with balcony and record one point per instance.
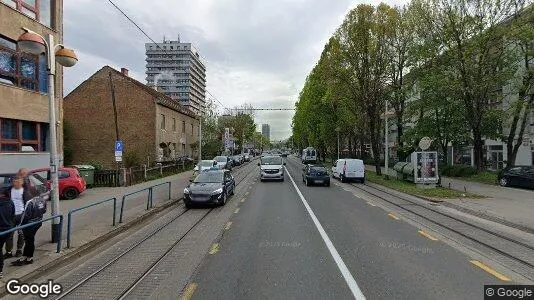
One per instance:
(176, 70)
(266, 131)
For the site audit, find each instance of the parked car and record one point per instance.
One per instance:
(349, 169)
(224, 162)
(71, 184)
(205, 165)
(520, 176)
(247, 157)
(210, 187)
(36, 181)
(315, 175)
(271, 167)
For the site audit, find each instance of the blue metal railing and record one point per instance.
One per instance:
(160, 184)
(69, 218)
(40, 222)
(149, 202)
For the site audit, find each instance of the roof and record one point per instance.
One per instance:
(161, 98)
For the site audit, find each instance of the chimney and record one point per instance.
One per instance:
(124, 71)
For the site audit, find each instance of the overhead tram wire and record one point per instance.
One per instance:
(152, 40)
(207, 91)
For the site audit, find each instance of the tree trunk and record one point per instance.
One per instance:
(478, 150)
(400, 131)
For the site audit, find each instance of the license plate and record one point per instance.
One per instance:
(318, 181)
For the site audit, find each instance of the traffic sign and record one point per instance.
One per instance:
(118, 158)
(118, 153)
(119, 146)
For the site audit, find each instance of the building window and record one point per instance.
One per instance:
(41, 10)
(173, 124)
(183, 126)
(162, 125)
(21, 69)
(18, 135)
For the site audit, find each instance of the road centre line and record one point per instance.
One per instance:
(228, 225)
(189, 291)
(393, 216)
(214, 249)
(236, 210)
(427, 235)
(490, 270)
(349, 279)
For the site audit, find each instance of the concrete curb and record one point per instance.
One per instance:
(87, 247)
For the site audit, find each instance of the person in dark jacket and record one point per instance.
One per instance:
(33, 212)
(7, 214)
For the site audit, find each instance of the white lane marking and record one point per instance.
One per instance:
(349, 279)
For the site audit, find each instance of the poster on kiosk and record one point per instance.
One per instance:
(426, 167)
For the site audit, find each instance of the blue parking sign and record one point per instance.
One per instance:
(118, 146)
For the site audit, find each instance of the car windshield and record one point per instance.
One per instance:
(206, 163)
(318, 169)
(220, 158)
(210, 177)
(271, 160)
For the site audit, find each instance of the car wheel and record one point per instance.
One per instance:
(188, 204)
(223, 200)
(363, 181)
(233, 189)
(282, 180)
(328, 183)
(342, 178)
(503, 181)
(70, 193)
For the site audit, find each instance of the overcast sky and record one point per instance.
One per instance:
(256, 51)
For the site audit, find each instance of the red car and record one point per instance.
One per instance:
(71, 184)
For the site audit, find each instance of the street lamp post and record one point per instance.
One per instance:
(34, 43)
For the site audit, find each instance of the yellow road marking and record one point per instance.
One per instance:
(371, 204)
(236, 211)
(242, 200)
(228, 225)
(189, 291)
(427, 235)
(490, 270)
(393, 216)
(214, 248)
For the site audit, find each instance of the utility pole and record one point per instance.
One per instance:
(114, 113)
(200, 137)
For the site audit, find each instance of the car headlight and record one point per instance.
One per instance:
(186, 191)
(217, 191)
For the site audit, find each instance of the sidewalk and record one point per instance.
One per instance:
(511, 206)
(96, 221)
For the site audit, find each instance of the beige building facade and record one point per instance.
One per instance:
(24, 122)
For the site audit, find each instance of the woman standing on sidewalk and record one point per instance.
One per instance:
(7, 213)
(17, 196)
(33, 212)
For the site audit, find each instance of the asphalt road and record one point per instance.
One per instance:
(274, 250)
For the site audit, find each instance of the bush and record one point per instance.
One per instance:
(457, 171)
(98, 166)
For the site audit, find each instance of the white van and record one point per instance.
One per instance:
(309, 155)
(349, 169)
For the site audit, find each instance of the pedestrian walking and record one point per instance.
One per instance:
(7, 214)
(33, 212)
(16, 194)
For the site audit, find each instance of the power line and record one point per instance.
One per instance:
(158, 46)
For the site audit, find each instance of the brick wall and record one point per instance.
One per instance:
(89, 111)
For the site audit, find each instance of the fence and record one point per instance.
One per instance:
(108, 178)
(69, 219)
(60, 229)
(138, 175)
(149, 201)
